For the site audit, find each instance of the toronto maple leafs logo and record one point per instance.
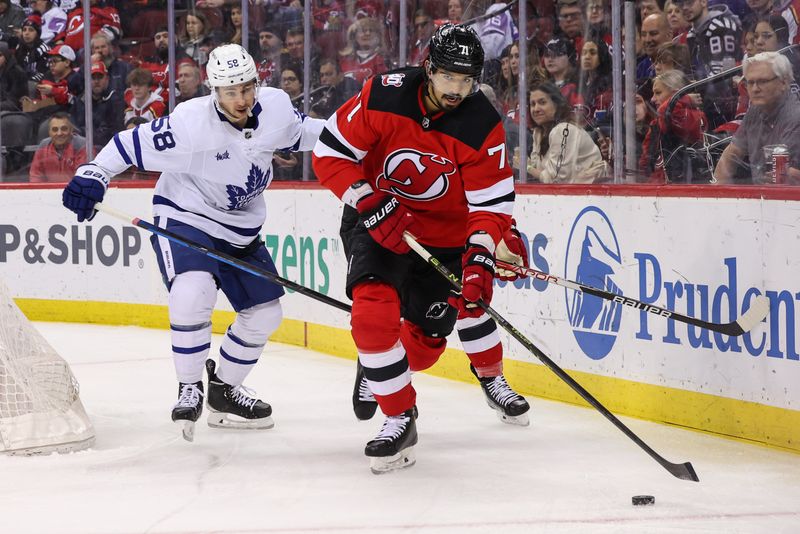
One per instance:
(257, 181)
(224, 155)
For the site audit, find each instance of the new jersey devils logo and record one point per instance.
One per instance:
(416, 176)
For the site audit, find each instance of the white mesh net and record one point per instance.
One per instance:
(40, 411)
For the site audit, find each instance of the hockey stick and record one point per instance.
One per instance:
(683, 471)
(222, 257)
(759, 307)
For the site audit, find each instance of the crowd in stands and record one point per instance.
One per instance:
(568, 93)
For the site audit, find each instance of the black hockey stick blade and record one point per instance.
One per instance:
(683, 471)
(224, 258)
(758, 310)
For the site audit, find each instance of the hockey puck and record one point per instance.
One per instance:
(643, 500)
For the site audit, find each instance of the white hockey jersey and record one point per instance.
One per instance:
(213, 174)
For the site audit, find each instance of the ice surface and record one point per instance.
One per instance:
(570, 471)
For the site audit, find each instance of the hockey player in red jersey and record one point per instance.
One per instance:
(421, 150)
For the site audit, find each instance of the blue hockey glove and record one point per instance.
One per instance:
(85, 189)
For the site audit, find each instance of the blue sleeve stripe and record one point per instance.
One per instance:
(125, 157)
(137, 149)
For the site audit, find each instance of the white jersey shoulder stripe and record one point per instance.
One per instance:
(496, 191)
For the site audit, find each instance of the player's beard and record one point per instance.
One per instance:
(442, 103)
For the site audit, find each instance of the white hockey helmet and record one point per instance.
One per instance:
(230, 64)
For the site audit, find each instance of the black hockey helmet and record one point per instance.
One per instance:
(456, 48)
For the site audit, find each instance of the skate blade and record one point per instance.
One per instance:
(387, 464)
(187, 429)
(518, 420)
(227, 420)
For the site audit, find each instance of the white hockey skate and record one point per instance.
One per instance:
(235, 406)
(393, 447)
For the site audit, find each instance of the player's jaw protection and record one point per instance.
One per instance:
(453, 66)
(232, 76)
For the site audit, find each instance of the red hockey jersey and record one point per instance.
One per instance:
(102, 18)
(449, 169)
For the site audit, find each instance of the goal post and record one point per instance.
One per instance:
(40, 409)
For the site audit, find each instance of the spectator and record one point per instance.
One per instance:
(292, 82)
(649, 7)
(677, 22)
(141, 100)
(235, 29)
(363, 56)
(454, 11)
(103, 52)
(570, 23)
(598, 14)
(673, 56)
(287, 166)
(495, 32)
(161, 47)
(107, 107)
(195, 29)
(13, 81)
(11, 18)
(31, 52)
(295, 45)
(340, 89)
(189, 83)
(758, 10)
(770, 34)
(58, 156)
(102, 18)
(54, 19)
(594, 86)
(714, 40)
(665, 157)
(158, 63)
(772, 119)
(53, 91)
(655, 32)
(507, 85)
(749, 42)
(269, 56)
(423, 31)
(559, 63)
(561, 152)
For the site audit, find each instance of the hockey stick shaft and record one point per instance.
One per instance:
(759, 306)
(222, 257)
(683, 471)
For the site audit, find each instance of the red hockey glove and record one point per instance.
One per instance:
(385, 219)
(476, 278)
(511, 249)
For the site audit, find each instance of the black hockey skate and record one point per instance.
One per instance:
(364, 403)
(393, 447)
(511, 407)
(188, 408)
(234, 406)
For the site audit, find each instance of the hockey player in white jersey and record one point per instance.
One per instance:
(215, 158)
